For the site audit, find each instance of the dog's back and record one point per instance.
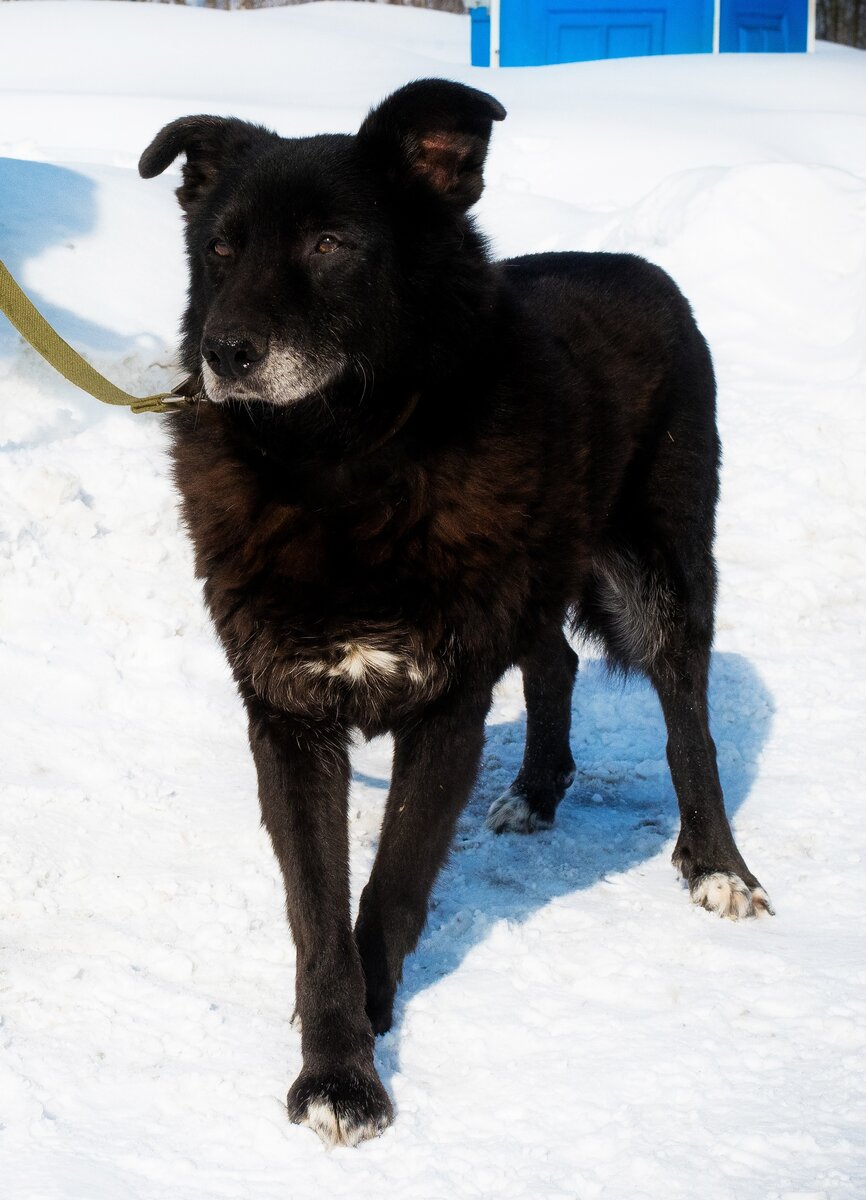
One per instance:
(633, 381)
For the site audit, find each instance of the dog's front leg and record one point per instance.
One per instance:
(303, 771)
(436, 760)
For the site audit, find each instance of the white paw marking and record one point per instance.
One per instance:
(724, 893)
(761, 903)
(511, 813)
(335, 1130)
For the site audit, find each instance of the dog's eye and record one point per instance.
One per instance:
(220, 248)
(327, 243)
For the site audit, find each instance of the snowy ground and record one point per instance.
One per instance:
(570, 1027)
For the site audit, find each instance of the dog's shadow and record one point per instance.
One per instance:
(621, 811)
(44, 206)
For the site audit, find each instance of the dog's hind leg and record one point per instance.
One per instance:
(659, 620)
(548, 768)
(706, 854)
(436, 760)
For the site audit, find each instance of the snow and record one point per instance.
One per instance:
(570, 1027)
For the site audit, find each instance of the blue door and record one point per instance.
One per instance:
(534, 32)
(759, 26)
(575, 35)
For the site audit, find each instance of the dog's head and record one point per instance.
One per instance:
(316, 259)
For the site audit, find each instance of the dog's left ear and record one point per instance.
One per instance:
(437, 132)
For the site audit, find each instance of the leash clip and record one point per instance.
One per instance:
(186, 393)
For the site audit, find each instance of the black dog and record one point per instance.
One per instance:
(409, 468)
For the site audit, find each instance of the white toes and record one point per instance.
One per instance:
(725, 893)
(761, 902)
(321, 1118)
(511, 814)
(336, 1130)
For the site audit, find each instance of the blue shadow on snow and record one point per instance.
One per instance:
(620, 812)
(42, 205)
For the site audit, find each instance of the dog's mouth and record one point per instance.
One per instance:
(222, 391)
(282, 377)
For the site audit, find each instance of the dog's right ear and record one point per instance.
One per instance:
(209, 143)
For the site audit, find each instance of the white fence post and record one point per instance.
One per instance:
(494, 33)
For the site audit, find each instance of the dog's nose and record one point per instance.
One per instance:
(232, 357)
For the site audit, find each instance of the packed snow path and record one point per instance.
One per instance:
(570, 1026)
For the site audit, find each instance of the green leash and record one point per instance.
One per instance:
(46, 341)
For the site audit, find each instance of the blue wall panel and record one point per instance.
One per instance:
(480, 37)
(759, 26)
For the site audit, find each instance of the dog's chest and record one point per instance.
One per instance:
(363, 678)
(318, 617)
(360, 613)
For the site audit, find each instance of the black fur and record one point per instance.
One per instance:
(412, 468)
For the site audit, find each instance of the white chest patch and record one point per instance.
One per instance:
(370, 668)
(361, 662)
(373, 672)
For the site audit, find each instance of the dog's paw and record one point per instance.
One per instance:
(724, 893)
(512, 813)
(344, 1107)
(380, 1009)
